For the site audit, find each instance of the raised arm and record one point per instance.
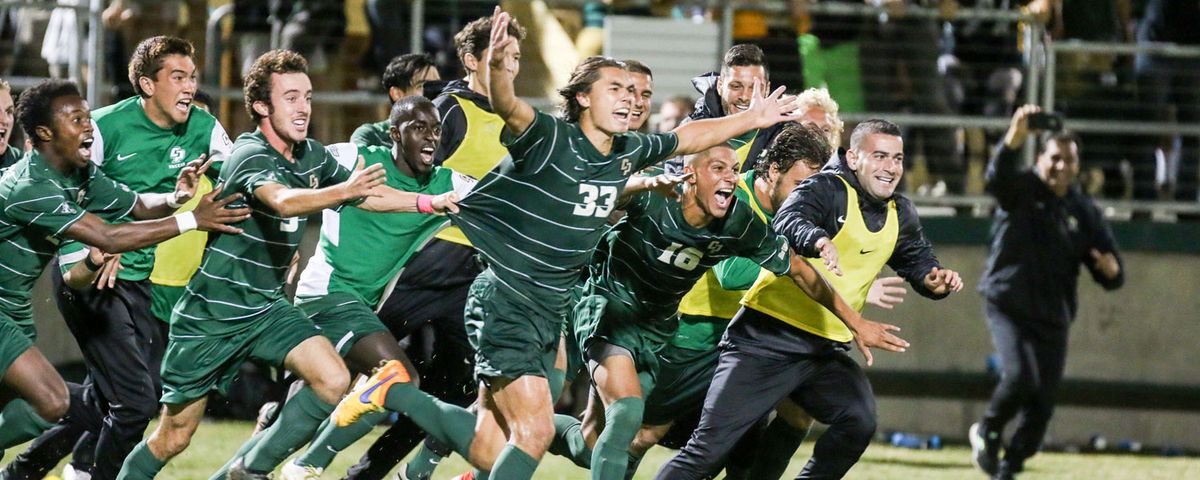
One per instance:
(517, 114)
(763, 112)
(1003, 169)
(295, 202)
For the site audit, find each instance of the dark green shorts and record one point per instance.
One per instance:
(342, 318)
(510, 338)
(683, 379)
(163, 299)
(14, 340)
(597, 319)
(196, 365)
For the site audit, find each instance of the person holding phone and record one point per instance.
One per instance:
(1045, 228)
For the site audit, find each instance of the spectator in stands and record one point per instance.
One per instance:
(672, 112)
(1044, 230)
(1167, 85)
(8, 153)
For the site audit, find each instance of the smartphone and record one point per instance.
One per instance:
(1046, 121)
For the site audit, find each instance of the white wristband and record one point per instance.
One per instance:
(186, 222)
(171, 201)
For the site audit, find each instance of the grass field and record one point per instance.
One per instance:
(216, 441)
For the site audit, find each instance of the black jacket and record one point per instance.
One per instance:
(454, 122)
(1038, 242)
(709, 106)
(817, 208)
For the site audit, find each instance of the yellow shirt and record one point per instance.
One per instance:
(177, 259)
(479, 152)
(861, 255)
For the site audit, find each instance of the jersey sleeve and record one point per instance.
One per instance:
(107, 198)
(43, 205)
(247, 175)
(532, 149)
(332, 171)
(345, 154)
(736, 273)
(219, 147)
(769, 250)
(361, 135)
(70, 253)
(97, 145)
(653, 149)
(462, 184)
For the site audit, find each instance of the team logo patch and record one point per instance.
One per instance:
(66, 209)
(312, 181)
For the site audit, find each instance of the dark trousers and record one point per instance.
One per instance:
(427, 306)
(122, 345)
(763, 361)
(1032, 357)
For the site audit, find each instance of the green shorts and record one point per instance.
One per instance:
(14, 340)
(163, 299)
(683, 379)
(342, 318)
(510, 338)
(597, 319)
(196, 365)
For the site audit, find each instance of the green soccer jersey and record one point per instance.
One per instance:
(537, 217)
(372, 134)
(242, 275)
(10, 156)
(39, 204)
(134, 151)
(360, 251)
(653, 256)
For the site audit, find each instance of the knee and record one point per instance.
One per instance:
(797, 419)
(53, 402)
(331, 385)
(170, 439)
(859, 425)
(624, 417)
(533, 434)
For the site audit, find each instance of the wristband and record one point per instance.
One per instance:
(89, 264)
(425, 203)
(171, 201)
(186, 222)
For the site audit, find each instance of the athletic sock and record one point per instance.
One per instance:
(426, 460)
(568, 441)
(298, 419)
(631, 469)
(779, 441)
(19, 423)
(140, 464)
(621, 423)
(331, 439)
(555, 379)
(450, 424)
(252, 442)
(514, 464)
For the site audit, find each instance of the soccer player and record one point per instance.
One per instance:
(850, 223)
(404, 76)
(643, 94)
(1045, 230)
(689, 360)
(54, 194)
(341, 289)
(433, 288)
(234, 308)
(628, 306)
(9, 154)
(730, 91)
(536, 221)
(142, 142)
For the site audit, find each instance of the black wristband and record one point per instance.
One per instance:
(89, 264)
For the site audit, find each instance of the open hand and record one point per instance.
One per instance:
(189, 179)
(212, 216)
(887, 292)
(869, 334)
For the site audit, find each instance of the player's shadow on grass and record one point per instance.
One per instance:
(921, 463)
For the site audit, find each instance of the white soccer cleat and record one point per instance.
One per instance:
(70, 473)
(291, 471)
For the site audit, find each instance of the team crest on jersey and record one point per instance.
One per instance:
(177, 155)
(66, 209)
(714, 247)
(312, 181)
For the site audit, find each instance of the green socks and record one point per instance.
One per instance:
(332, 439)
(555, 379)
(298, 419)
(19, 424)
(514, 464)
(140, 464)
(425, 461)
(450, 424)
(568, 441)
(241, 452)
(622, 420)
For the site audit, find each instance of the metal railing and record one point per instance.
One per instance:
(92, 29)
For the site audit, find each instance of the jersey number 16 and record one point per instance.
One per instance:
(685, 258)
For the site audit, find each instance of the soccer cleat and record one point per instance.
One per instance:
(369, 396)
(238, 471)
(266, 416)
(985, 448)
(292, 471)
(70, 473)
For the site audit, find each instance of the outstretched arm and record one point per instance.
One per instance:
(210, 216)
(501, 69)
(867, 334)
(764, 111)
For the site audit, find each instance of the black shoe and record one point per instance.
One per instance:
(238, 471)
(985, 448)
(1007, 471)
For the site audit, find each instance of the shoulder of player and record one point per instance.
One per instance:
(117, 112)
(200, 120)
